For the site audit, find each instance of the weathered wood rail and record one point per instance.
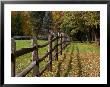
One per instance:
(64, 41)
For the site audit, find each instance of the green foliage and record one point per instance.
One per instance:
(36, 21)
(47, 20)
(92, 18)
(81, 25)
(72, 22)
(16, 24)
(20, 23)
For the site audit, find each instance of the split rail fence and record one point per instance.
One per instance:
(62, 38)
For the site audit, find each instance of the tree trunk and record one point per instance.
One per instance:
(95, 36)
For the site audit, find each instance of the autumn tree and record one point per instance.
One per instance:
(16, 23)
(56, 20)
(26, 23)
(80, 23)
(20, 23)
(92, 21)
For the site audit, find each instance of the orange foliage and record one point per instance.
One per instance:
(13, 13)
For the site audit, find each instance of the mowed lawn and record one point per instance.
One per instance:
(77, 60)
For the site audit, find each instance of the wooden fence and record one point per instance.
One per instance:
(64, 41)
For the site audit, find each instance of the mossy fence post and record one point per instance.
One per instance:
(13, 49)
(56, 49)
(63, 40)
(50, 51)
(61, 44)
(35, 57)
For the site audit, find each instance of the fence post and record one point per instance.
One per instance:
(61, 44)
(63, 39)
(56, 49)
(50, 50)
(13, 49)
(35, 57)
(66, 37)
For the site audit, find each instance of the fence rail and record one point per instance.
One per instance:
(64, 41)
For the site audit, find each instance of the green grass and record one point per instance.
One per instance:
(22, 44)
(23, 61)
(86, 50)
(87, 47)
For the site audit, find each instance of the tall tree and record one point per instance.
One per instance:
(26, 23)
(36, 21)
(56, 20)
(92, 21)
(79, 23)
(16, 23)
(47, 20)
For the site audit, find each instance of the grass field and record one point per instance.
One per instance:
(78, 59)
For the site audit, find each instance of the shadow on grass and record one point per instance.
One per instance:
(60, 63)
(69, 67)
(69, 64)
(79, 63)
(59, 66)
